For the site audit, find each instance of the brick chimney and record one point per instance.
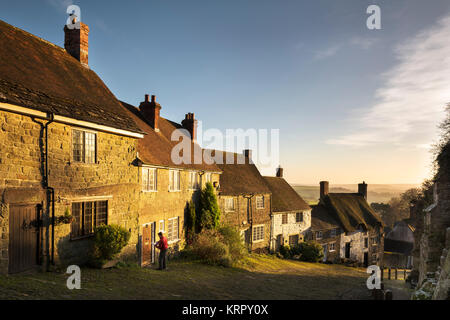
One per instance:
(76, 42)
(150, 110)
(362, 189)
(324, 188)
(280, 172)
(248, 155)
(190, 124)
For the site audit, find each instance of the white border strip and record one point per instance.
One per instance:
(66, 120)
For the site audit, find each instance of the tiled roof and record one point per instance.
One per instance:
(284, 197)
(42, 76)
(156, 147)
(237, 178)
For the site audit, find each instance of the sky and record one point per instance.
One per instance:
(351, 104)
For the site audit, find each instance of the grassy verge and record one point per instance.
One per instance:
(258, 277)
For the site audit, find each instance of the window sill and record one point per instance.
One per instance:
(260, 208)
(149, 191)
(174, 190)
(256, 241)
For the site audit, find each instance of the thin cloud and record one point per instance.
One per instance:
(363, 43)
(411, 103)
(326, 53)
(60, 4)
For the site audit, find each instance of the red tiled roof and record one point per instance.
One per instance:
(156, 147)
(42, 76)
(284, 197)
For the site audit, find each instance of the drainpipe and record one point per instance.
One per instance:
(49, 190)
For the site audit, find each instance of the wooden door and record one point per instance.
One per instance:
(146, 244)
(347, 250)
(23, 237)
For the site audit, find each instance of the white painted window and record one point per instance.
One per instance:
(374, 241)
(333, 233)
(193, 180)
(258, 233)
(208, 177)
(84, 146)
(161, 226)
(299, 217)
(260, 202)
(319, 235)
(284, 218)
(174, 180)
(229, 204)
(172, 229)
(332, 246)
(149, 179)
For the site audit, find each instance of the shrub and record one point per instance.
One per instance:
(109, 241)
(208, 213)
(285, 251)
(190, 222)
(311, 251)
(218, 247)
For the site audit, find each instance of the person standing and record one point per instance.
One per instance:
(162, 246)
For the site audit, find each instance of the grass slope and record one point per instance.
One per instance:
(259, 277)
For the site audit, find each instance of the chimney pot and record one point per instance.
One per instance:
(362, 189)
(76, 42)
(324, 188)
(280, 172)
(153, 98)
(190, 124)
(146, 98)
(150, 111)
(248, 155)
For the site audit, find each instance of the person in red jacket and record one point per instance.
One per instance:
(162, 246)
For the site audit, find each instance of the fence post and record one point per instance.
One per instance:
(404, 274)
(389, 273)
(396, 275)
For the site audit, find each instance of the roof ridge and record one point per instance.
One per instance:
(33, 36)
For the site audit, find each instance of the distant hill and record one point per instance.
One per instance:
(376, 192)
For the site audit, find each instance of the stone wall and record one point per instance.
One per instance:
(358, 248)
(112, 178)
(244, 218)
(292, 227)
(164, 204)
(4, 237)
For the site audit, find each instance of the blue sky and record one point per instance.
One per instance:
(351, 104)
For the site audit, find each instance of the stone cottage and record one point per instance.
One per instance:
(360, 228)
(166, 186)
(66, 146)
(244, 198)
(291, 215)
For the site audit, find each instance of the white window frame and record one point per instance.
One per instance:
(163, 226)
(333, 233)
(253, 233)
(208, 177)
(319, 233)
(287, 218)
(257, 200)
(145, 178)
(374, 241)
(178, 229)
(334, 246)
(174, 184)
(83, 150)
(227, 207)
(302, 217)
(194, 180)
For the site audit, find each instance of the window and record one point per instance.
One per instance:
(172, 229)
(299, 217)
(84, 146)
(149, 178)
(260, 202)
(333, 233)
(319, 235)
(208, 178)
(374, 241)
(293, 240)
(174, 180)
(229, 204)
(332, 246)
(258, 233)
(193, 180)
(366, 242)
(161, 226)
(284, 218)
(374, 257)
(87, 216)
